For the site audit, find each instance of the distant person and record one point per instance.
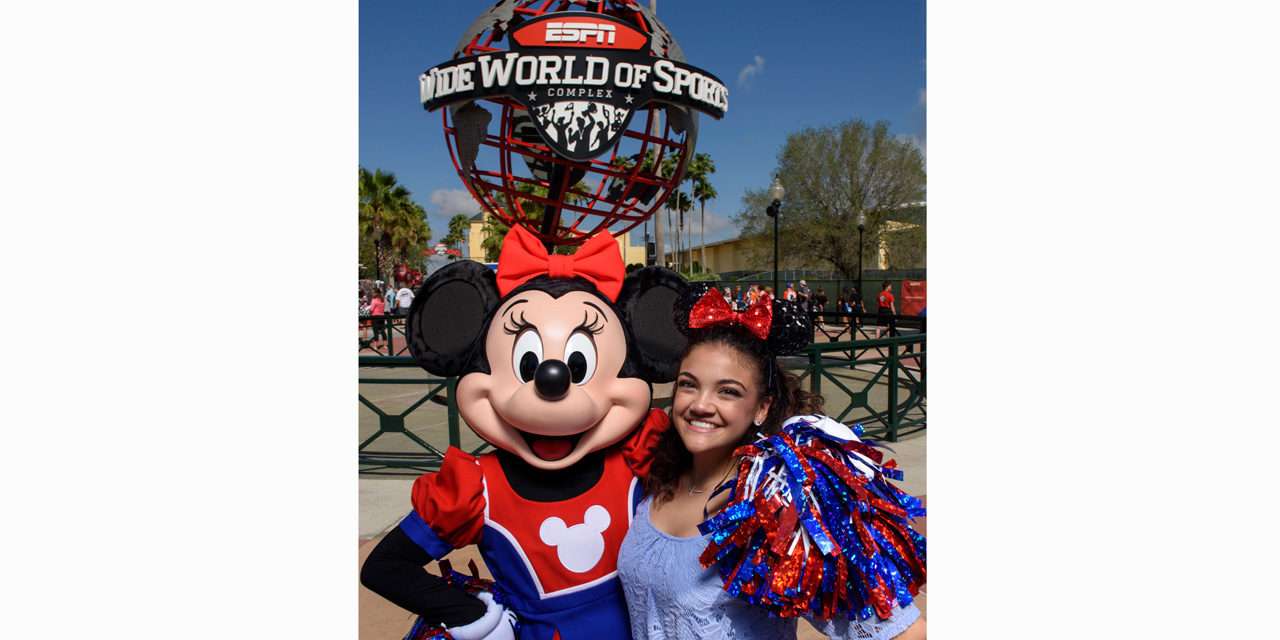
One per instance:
(737, 299)
(820, 303)
(728, 297)
(404, 299)
(886, 310)
(804, 296)
(766, 295)
(789, 293)
(390, 299)
(378, 310)
(753, 295)
(855, 306)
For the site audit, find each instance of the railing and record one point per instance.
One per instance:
(395, 344)
(417, 454)
(879, 383)
(874, 375)
(835, 325)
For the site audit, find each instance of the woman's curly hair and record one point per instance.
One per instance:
(671, 459)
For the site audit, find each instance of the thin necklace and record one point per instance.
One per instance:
(693, 491)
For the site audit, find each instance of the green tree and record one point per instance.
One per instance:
(495, 230)
(905, 247)
(458, 226)
(832, 175)
(393, 228)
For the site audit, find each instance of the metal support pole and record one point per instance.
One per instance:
(391, 334)
(893, 392)
(660, 243)
(861, 293)
(774, 211)
(815, 371)
(557, 185)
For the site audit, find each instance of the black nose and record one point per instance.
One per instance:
(551, 379)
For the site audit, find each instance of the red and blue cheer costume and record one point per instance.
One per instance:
(554, 563)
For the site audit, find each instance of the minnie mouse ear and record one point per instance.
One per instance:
(646, 302)
(448, 316)
(792, 328)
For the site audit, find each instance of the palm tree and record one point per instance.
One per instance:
(390, 222)
(699, 173)
(666, 169)
(458, 226)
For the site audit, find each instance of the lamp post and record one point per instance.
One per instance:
(862, 224)
(776, 192)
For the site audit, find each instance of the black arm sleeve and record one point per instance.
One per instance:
(395, 570)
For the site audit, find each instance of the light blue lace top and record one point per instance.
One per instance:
(670, 596)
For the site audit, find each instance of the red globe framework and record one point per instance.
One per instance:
(513, 173)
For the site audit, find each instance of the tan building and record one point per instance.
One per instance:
(735, 255)
(728, 256)
(891, 227)
(631, 253)
(475, 238)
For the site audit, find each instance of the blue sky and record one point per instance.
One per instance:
(788, 65)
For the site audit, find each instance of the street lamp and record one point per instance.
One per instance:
(776, 192)
(862, 224)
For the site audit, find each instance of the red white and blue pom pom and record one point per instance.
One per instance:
(813, 526)
(472, 584)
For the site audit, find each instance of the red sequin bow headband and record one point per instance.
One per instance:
(712, 310)
(523, 258)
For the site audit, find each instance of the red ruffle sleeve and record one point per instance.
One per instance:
(638, 451)
(451, 501)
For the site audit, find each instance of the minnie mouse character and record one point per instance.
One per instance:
(556, 356)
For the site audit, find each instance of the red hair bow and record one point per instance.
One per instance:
(523, 257)
(712, 310)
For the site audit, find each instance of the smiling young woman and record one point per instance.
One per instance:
(729, 391)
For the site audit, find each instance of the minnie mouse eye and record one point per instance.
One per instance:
(527, 354)
(580, 355)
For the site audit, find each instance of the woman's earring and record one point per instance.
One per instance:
(757, 422)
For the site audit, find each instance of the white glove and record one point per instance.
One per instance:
(497, 623)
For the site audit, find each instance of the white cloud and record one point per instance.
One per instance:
(750, 71)
(719, 227)
(451, 202)
(718, 224)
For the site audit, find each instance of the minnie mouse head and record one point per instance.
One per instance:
(556, 354)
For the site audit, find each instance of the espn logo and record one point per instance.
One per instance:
(581, 32)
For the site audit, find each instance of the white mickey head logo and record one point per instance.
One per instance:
(581, 546)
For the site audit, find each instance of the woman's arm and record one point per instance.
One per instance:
(913, 632)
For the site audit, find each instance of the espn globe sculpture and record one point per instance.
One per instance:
(560, 115)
